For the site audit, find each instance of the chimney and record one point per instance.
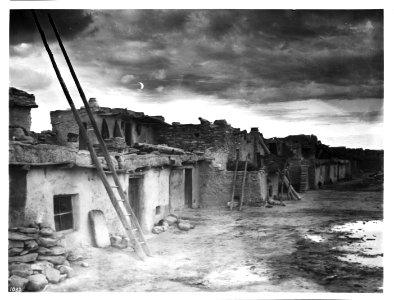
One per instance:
(93, 103)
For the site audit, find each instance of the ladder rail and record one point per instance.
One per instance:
(84, 135)
(243, 185)
(129, 210)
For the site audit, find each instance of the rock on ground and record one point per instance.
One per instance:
(17, 283)
(52, 274)
(66, 270)
(21, 270)
(170, 219)
(184, 226)
(157, 229)
(36, 282)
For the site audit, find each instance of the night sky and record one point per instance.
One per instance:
(285, 71)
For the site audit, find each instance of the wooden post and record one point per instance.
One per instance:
(234, 180)
(243, 185)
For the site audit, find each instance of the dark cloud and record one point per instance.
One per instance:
(256, 56)
(68, 22)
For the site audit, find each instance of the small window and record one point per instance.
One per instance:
(63, 212)
(158, 210)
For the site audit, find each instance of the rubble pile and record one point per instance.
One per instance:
(172, 220)
(35, 258)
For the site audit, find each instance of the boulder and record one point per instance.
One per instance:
(85, 265)
(21, 270)
(184, 226)
(16, 236)
(55, 259)
(27, 230)
(47, 242)
(66, 270)
(46, 231)
(31, 245)
(117, 242)
(99, 228)
(170, 220)
(17, 283)
(157, 229)
(36, 282)
(52, 274)
(23, 258)
(15, 244)
(14, 251)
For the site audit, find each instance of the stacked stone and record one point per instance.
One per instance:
(35, 258)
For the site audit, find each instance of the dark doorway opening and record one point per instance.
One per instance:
(134, 196)
(127, 133)
(82, 142)
(188, 188)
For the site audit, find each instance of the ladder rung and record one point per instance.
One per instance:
(120, 200)
(114, 186)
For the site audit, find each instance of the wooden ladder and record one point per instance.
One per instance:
(235, 184)
(122, 206)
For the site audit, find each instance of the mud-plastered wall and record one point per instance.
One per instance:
(87, 193)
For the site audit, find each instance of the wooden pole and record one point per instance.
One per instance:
(94, 157)
(234, 180)
(243, 185)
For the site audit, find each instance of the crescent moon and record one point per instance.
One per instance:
(142, 85)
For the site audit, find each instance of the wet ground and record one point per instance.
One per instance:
(323, 243)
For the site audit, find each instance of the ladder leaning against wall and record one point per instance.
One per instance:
(122, 206)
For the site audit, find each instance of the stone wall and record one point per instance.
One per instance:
(21, 117)
(63, 123)
(216, 187)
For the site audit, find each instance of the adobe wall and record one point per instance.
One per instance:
(155, 193)
(20, 116)
(216, 187)
(89, 193)
(177, 190)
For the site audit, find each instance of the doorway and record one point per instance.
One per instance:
(188, 188)
(134, 196)
(127, 133)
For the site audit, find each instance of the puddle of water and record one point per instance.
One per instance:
(314, 237)
(370, 234)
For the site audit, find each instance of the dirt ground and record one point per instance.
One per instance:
(257, 250)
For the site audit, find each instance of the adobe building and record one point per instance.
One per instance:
(163, 169)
